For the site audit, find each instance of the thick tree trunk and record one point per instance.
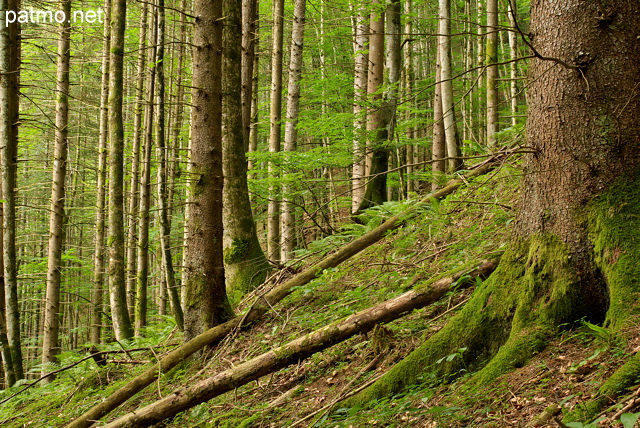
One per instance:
(9, 116)
(98, 252)
(50, 344)
(206, 302)
(265, 303)
(287, 237)
(246, 266)
(117, 284)
(275, 116)
(575, 250)
(299, 349)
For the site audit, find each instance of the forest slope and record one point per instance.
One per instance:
(465, 228)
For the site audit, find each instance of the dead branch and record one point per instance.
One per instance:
(264, 302)
(299, 349)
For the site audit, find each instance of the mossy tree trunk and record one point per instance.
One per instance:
(206, 302)
(246, 266)
(574, 254)
(115, 240)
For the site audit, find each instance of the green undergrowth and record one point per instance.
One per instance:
(447, 236)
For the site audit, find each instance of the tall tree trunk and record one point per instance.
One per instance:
(98, 254)
(275, 116)
(377, 155)
(206, 302)
(446, 86)
(135, 164)
(513, 66)
(361, 69)
(50, 345)
(409, 78)
(439, 143)
(163, 209)
(142, 266)
(291, 126)
(492, 71)
(246, 266)
(5, 348)
(249, 43)
(117, 285)
(9, 112)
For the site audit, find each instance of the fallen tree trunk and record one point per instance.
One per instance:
(266, 301)
(299, 349)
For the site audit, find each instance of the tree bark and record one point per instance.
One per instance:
(249, 43)
(98, 252)
(163, 208)
(265, 303)
(290, 128)
(439, 143)
(115, 242)
(299, 349)
(377, 153)
(206, 299)
(143, 211)
(9, 116)
(492, 71)
(134, 200)
(361, 69)
(5, 348)
(273, 209)
(50, 343)
(246, 266)
(446, 87)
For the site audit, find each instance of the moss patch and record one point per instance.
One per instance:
(509, 319)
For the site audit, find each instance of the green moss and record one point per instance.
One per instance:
(613, 221)
(238, 251)
(508, 319)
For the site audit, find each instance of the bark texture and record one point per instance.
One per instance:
(50, 346)
(115, 240)
(206, 302)
(98, 252)
(246, 266)
(287, 238)
(9, 115)
(275, 128)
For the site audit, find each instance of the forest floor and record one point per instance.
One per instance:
(468, 226)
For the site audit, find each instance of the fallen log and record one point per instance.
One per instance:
(299, 349)
(265, 302)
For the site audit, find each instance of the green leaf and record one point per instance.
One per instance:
(629, 420)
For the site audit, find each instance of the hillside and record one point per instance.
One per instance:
(463, 229)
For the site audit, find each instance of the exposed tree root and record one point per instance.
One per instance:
(536, 291)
